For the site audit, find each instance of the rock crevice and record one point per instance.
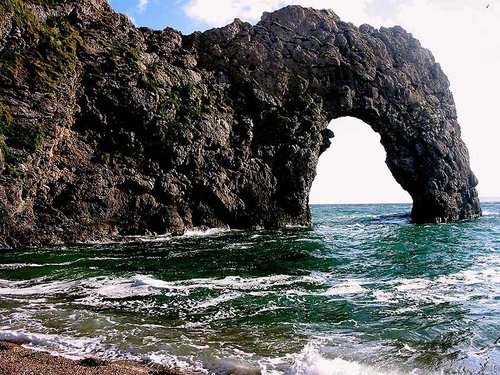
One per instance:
(107, 129)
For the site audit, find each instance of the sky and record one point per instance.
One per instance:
(464, 36)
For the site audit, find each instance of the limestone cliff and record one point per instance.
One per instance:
(107, 129)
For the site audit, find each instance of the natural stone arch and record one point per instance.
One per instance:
(155, 131)
(304, 67)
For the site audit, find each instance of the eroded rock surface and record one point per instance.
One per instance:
(108, 130)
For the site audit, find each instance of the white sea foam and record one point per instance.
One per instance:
(231, 282)
(78, 348)
(189, 364)
(218, 300)
(296, 226)
(448, 288)
(10, 288)
(152, 238)
(207, 232)
(311, 362)
(148, 281)
(457, 287)
(308, 362)
(346, 287)
(117, 288)
(410, 285)
(93, 291)
(72, 347)
(13, 266)
(103, 291)
(163, 237)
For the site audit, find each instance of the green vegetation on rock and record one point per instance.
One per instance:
(116, 159)
(46, 2)
(49, 55)
(17, 139)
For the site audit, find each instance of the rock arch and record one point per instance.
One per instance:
(155, 131)
(306, 67)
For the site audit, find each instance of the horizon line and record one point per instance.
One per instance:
(481, 199)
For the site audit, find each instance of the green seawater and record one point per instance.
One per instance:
(362, 292)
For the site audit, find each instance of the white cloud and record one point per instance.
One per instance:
(462, 34)
(224, 11)
(142, 5)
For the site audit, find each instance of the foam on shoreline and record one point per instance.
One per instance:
(16, 359)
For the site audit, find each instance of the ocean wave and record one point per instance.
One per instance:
(102, 291)
(488, 276)
(175, 362)
(311, 362)
(14, 266)
(78, 348)
(207, 232)
(461, 286)
(491, 213)
(70, 347)
(10, 288)
(230, 282)
(167, 237)
(93, 291)
(218, 300)
(346, 287)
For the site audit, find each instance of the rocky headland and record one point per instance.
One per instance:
(107, 129)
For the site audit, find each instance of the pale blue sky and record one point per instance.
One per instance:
(463, 36)
(198, 15)
(158, 14)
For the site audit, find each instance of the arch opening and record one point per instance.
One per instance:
(353, 169)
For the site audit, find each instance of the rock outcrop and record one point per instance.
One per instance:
(107, 129)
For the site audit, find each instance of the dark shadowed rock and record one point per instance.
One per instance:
(109, 130)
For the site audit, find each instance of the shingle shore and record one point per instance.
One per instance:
(17, 360)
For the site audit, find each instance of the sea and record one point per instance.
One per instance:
(363, 291)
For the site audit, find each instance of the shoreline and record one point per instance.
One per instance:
(16, 359)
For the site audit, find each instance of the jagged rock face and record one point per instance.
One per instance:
(109, 130)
